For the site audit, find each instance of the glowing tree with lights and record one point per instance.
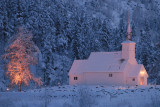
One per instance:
(20, 55)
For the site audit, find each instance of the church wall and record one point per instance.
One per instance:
(78, 81)
(102, 78)
(131, 82)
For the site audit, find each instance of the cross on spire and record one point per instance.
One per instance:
(129, 36)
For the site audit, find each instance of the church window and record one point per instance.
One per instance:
(75, 78)
(110, 75)
(133, 79)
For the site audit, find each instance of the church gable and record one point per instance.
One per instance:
(77, 67)
(135, 70)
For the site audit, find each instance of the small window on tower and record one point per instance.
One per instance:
(75, 78)
(133, 79)
(110, 75)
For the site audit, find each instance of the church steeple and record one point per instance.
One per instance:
(128, 46)
(129, 36)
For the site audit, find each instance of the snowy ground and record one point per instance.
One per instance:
(83, 96)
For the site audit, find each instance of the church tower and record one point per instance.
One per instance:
(128, 46)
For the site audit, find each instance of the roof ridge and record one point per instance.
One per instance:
(108, 52)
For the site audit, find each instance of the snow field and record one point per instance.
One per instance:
(86, 96)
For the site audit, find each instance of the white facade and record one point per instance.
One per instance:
(109, 68)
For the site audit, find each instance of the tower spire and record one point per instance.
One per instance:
(129, 36)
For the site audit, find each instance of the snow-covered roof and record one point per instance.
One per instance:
(105, 62)
(135, 70)
(99, 62)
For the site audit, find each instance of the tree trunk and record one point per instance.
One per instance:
(19, 86)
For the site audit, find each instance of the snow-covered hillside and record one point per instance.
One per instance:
(83, 96)
(65, 30)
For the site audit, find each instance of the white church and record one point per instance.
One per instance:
(110, 68)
